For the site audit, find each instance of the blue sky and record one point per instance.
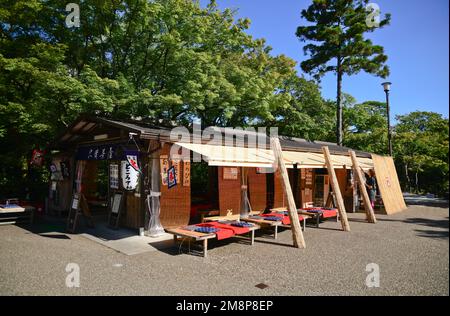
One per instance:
(416, 42)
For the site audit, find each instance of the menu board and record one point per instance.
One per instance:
(186, 173)
(230, 173)
(114, 176)
(176, 164)
(164, 165)
(308, 177)
(117, 201)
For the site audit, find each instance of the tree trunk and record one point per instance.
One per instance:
(408, 180)
(417, 182)
(339, 104)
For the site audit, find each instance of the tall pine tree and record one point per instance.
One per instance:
(335, 32)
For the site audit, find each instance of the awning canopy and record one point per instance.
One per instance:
(217, 155)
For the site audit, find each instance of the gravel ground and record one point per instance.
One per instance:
(411, 249)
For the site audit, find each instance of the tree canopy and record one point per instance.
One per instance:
(335, 30)
(173, 60)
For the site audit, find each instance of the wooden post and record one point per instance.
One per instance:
(355, 192)
(337, 191)
(295, 185)
(362, 188)
(297, 235)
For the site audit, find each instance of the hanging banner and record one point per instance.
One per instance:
(186, 173)
(132, 158)
(98, 152)
(130, 177)
(55, 173)
(177, 165)
(37, 158)
(230, 173)
(114, 176)
(65, 169)
(171, 177)
(164, 167)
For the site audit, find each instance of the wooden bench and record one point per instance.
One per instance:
(204, 237)
(263, 222)
(315, 215)
(17, 215)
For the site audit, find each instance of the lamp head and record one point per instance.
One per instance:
(386, 86)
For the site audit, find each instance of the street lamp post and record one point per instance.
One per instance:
(387, 88)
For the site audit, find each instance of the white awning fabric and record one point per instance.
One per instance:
(217, 155)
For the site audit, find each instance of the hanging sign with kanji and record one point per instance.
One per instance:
(130, 177)
(171, 177)
(132, 158)
(164, 165)
(177, 165)
(186, 173)
(37, 158)
(114, 176)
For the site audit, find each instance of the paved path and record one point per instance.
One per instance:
(425, 200)
(410, 248)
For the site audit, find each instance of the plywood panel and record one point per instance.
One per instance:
(388, 184)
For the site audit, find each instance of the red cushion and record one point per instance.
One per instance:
(235, 229)
(329, 213)
(221, 234)
(285, 220)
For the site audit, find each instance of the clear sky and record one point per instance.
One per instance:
(416, 42)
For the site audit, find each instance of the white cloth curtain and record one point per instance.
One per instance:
(155, 228)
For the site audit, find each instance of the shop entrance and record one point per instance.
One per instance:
(95, 187)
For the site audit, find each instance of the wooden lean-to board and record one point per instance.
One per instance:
(388, 184)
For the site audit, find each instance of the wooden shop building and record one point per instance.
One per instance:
(90, 157)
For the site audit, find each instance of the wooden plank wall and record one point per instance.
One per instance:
(229, 193)
(279, 200)
(64, 187)
(307, 189)
(257, 189)
(176, 201)
(89, 181)
(133, 217)
(388, 184)
(341, 175)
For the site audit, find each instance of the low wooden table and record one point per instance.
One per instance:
(263, 222)
(17, 215)
(196, 236)
(177, 232)
(315, 215)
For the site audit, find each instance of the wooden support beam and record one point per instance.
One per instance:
(295, 184)
(354, 192)
(336, 189)
(297, 235)
(362, 188)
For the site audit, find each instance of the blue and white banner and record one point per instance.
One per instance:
(132, 158)
(130, 176)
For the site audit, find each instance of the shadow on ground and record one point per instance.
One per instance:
(442, 226)
(55, 227)
(423, 200)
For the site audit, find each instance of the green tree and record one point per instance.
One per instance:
(365, 126)
(335, 30)
(306, 115)
(421, 148)
(164, 59)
